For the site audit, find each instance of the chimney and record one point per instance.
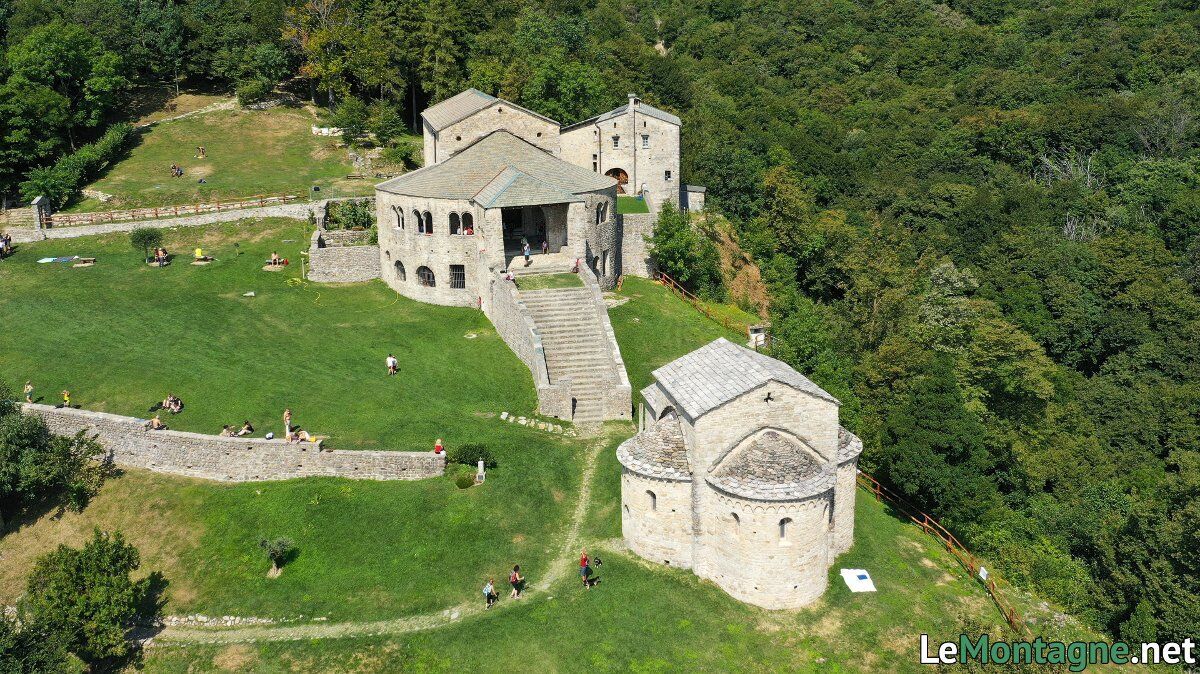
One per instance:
(634, 100)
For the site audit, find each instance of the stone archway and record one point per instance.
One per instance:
(620, 176)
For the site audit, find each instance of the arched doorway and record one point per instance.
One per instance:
(621, 177)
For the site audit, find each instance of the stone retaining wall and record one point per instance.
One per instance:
(618, 396)
(515, 326)
(298, 211)
(635, 252)
(212, 457)
(345, 262)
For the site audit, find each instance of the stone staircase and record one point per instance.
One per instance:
(575, 344)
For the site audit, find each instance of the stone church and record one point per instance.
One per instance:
(498, 177)
(741, 473)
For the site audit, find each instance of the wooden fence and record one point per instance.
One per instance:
(258, 201)
(969, 561)
(699, 304)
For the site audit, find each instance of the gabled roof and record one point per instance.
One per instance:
(773, 467)
(513, 188)
(657, 451)
(478, 166)
(720, 371)
(643, 108)
(464, 104)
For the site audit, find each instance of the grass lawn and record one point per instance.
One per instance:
(549, 281)
(122, 335)
(628, 204)
(249, 152)
(649, 618)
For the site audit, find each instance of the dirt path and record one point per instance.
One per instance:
(562, 565)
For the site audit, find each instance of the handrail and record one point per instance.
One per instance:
(693, 299)
(154, 213)
(931, 526)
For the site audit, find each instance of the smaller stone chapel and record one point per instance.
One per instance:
(740, 472)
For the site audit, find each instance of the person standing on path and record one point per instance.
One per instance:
(585, 570)
(392, 364)
(489, 594)
(525, 252)
(28, 391)
(517, 581)
(287, 422)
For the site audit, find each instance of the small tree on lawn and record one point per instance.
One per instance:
(352, 117)
(278, 550)
(145, 238)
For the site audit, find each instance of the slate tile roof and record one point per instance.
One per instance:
(773, 467)
(456, 108)
(469, 171)
(849, 446)
(657, 451)
(643, 108)
(720, 371)
(513, 188)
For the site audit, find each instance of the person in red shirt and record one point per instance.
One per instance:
(585, 570)
(437, 447)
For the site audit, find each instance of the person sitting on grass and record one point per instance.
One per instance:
(201, 257)
(172, 404)
(247, 429)
(299, 435)
(275, 261)
(66, 395)
(156, 424)
(227, 431)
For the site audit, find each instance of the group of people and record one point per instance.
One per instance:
(160, 256)
(176, 171)
(517, 581)
(6, 246)
(246, 429)
(172, 403)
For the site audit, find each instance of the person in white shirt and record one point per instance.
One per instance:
(392, 364)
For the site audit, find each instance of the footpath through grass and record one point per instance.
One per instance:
(122, 335)
(249, 152)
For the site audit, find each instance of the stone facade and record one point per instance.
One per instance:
(741, 473)
(635, 229)
(540, 131)
(637, 139)
(210, 457)
(342, 257)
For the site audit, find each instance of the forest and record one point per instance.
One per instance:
(978, 221)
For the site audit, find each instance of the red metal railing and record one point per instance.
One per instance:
(968, 560)
(257, 201)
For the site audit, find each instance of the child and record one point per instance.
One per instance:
(489, 594)
(28, 391)
(437, 447)
(66, 398)
(517, 581)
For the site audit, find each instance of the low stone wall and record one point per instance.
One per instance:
(635, 252)
(515, 326)
(212, 457)
(342, 237)
(343, 263)
(299, 211)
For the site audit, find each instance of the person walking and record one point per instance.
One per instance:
(489, 594)
(517, 581)
(392, 364)
(287, 422)
(525, 252)
(28, 391)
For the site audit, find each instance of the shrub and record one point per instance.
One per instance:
(350, 215)
(279, 551)
(470, 455)
(61, 182)
(145, 238)
(352, 117)
(250, 92)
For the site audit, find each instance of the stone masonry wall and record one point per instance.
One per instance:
(344, 263)
(299, 211)
(498, 115)
(618, 397)
(516, 327)
(233, 459)
(635, 251)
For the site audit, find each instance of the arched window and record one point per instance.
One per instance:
(455, 223)
(425, 277)
(417, 219)
(653, 500)
(737, 521)
(400, 273)
(399, 218)
(428, 223)
(468, 224)
(599, 213)
(784, 524)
